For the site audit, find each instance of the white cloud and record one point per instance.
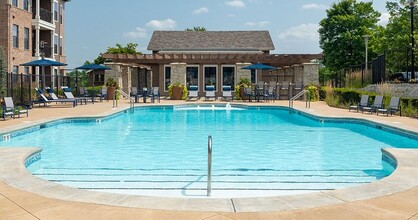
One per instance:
(137, 33)
(202, 10)
(314, 6)
(258, 24)
(235, 3)
(162, 24)
(303, 31)
(384, 19)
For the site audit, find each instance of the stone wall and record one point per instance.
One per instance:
(310, 74)
(401, 90)
(126, 78)
(115, 72)
(178, 73)
(242, 73)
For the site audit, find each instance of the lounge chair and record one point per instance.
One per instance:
(364, 102)
(9, 109)
(69, 95)
(227, 93)
(377, 104)
(193, 93)
(393, 108)
(43, 99)
(284, 90)
(210, 93)
(155, 93)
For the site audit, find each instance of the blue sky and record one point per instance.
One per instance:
(94, 25)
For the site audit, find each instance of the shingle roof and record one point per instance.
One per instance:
(210, 41)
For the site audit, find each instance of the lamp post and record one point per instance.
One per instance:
(366, 40)
(411, 4)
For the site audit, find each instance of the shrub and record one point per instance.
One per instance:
(313, 92)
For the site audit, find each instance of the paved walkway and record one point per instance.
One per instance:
(18, 204)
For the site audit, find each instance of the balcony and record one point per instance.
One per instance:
(47, 51)
(44, 14)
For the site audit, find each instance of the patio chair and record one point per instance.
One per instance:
(155, 93)
(248, 93)
(103, 94)
(10, 109)
(44, 100)
(364, 102)
(69, 95)
(298, 87)
(377, 104)
(193, 93)
(270, 94)
(210, 92)
(227, 93)
(284, 90)
(393, 108)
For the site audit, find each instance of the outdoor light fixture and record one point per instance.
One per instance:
(366, 40)
(411, 4)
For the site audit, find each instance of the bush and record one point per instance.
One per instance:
(313, 93)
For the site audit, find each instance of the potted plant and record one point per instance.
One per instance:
(177, 91)
(111, 85)
(239, 89)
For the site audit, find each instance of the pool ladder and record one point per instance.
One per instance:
(124, 94)
(301, 93)
(209, 187)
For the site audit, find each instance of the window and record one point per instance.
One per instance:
(15, 69)
(26, 39)
(192, 76)
(228, 76)
(61, 13)
(14, 3)
(210, 76)
(15, 36)
(60, 46)
(55, 44)
(253, 76)
(26, 5)
(26, 70)
(55, 11)
(167, 77)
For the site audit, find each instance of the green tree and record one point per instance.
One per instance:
(197, 28)
(3, 67)
(130, 48)
(395, 38)
(341, 33)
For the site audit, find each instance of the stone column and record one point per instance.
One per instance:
(115, 72)
(298, 73)
(126, 78)
(178, 73)
(242, 73)
(310, 73)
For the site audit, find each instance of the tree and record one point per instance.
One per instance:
(197, 28)
(3, 66)
(395, 38)
(130, 48)
(341, 33)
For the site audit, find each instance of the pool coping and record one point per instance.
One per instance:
(13, 172)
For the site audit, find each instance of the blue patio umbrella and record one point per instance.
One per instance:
(258, 66)
(91, 66)
(43, 63)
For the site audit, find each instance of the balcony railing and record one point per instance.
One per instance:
(47, 51)
(45, 15)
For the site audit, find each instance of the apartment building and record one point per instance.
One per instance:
(30, 29)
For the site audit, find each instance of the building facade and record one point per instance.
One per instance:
(215, 58)
(32, 29)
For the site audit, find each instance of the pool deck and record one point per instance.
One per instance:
(395, 197)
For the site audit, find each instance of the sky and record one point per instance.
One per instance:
(91, 26)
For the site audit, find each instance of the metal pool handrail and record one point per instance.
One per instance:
(131, 100)
(209, 188)
(308, 98)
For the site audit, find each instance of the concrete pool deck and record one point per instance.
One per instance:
(395, 197)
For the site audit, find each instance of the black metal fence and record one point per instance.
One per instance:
(21, 87)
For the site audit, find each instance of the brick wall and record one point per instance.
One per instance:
(23, 19)
(4, 33)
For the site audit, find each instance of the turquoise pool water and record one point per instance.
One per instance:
(256, 151)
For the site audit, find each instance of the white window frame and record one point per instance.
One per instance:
(198, 75)
(256, 78)
(55, 43)
(24, 38)
(216, 76)
(60, 46)
(165, 66)
(55, 9)
(17, 35)
(235, 75)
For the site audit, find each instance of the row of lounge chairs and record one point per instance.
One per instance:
(377, 106)
(53, 97)
(210, 93)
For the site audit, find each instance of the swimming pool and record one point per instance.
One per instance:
(257, 151)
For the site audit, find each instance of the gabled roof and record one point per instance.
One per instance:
(211, 41)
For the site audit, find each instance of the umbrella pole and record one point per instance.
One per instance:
(43, 77)
(76, 82)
